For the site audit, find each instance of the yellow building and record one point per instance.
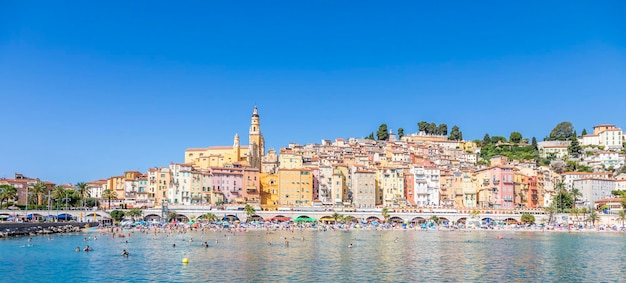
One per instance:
(221, 156)
(288, 160)
(390, 186)
(295, 187)
(116, 185)
(269, 191)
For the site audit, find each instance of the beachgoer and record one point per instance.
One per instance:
(350, 245)
(77, 249)
(125, 253)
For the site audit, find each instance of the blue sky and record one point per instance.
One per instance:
(90, 89)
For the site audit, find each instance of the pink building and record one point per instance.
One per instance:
(497, 188)
(252, 184)
(229, 183)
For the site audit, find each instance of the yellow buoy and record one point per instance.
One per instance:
(185, 260)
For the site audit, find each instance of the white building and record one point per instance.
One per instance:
(593, 189)
(180, 187)
(426, 186)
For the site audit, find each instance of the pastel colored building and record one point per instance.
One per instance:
(269, 191)
(180, 186)
(295, 187)
(363, 188)
(228, 182)
(593, 189)
(390, 186)
(496, 187)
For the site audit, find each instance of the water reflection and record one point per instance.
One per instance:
(398, 256)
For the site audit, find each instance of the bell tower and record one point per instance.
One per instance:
(257, 143)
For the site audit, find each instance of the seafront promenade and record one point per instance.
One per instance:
(413, 215)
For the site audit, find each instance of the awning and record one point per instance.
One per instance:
(305, 219)
(327, 218)
(64, 217)
(281, 219)
(4, 216)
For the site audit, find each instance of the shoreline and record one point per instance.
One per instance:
(9, 230)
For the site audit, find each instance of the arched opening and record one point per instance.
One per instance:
(152, 218)
(462, 220)
(372, 219)
(396, 219)
(327, 219)
(34, 217)
(181, 218)
(4, 216)
(255, 218)
(511, 221)
(418, 220)
(230, 218)
(64, 217)
(488, 221)
(444, 221)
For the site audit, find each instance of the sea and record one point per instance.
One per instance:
(318, 256)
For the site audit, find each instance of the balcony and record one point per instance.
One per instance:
(496, 182)
(485, 181)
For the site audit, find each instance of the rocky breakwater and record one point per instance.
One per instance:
(33, 229)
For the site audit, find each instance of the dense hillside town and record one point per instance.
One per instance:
(428, 168)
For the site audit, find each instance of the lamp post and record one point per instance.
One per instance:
(26, 217)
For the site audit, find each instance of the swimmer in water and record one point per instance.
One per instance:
(125, 253)
(77, 249)
(173, 245)
(350, 245)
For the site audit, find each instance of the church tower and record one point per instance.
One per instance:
(257, 143)
(236, 148)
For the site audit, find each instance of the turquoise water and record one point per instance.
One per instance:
(431, 256)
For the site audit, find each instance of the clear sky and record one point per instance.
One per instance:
(90, 89)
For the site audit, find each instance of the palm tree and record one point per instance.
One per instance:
(622, 217)
(171, 216)
(475, 214)
(385, 214)
(39, 189)
(550, 210)
(435, 219)
(593, 217)
(249, 212)
(576, 194)
(349, 218)
(575, 211)
(83, 191)
(211, 217)
(59, 193)
(135, 212)
(7, 192)
(109, 194)
(584, 211)
(337, 217)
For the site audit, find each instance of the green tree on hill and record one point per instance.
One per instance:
(432, 129)
(515, 137)
(574, 148)
(455, 134)
(534, 143)
(443, 129)
(486, 140)
(400, 133)
(370, 137)
(422, 126)
(383, 133)
(584, 133)
(562, 131)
